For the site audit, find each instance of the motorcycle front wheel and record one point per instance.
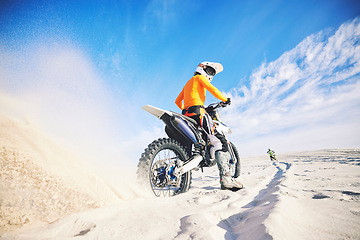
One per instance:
(235, 166)
(156, 168)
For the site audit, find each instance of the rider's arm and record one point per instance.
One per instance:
(179, 100)
(213, 90)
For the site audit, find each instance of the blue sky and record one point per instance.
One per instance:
(84, 65)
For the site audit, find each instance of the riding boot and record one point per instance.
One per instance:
(227, 182)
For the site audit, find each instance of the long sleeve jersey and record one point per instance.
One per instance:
(194, 92)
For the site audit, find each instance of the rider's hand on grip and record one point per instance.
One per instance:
(224, 104)
(228, 101)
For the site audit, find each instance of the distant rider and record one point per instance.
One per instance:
(191, 101)
(271, 154)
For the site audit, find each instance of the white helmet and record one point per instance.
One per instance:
(209, 69)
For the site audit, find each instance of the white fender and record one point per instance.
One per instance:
(157, 112)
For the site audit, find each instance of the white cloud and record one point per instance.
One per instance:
(313, 87)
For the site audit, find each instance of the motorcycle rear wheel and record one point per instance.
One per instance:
(156, 168)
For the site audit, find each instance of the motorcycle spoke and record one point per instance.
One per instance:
(157, 168)
(163, 161)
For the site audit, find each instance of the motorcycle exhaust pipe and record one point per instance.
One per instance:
(190, 165)
(184, 129)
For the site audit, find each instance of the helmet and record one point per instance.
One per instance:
(209, 69)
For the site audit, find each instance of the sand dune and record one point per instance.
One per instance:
(306, 195)
(40, 181)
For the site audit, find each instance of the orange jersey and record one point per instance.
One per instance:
(194, 92)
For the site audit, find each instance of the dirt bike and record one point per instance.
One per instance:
(272, 157)
(166, 164)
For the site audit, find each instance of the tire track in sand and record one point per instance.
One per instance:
(249, 224)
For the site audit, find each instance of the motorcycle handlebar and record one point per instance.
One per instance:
(217, 105)
(222, 104)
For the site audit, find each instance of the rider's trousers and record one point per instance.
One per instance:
(199, 114)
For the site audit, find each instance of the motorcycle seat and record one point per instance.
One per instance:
(190, 119)
(186, 118)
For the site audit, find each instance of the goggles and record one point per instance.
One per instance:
(210, 71)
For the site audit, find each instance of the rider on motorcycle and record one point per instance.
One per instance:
(271, 154)
(191, 101)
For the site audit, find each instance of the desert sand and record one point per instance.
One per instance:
(47, 193)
